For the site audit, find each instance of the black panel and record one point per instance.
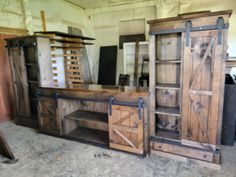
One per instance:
(32, 72)
(130, 38)
(229, 115)
(29, 53)
(107, 65)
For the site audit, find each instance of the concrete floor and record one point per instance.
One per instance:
(45, 156)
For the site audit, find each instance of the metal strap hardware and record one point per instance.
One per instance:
(180, 30)
(111, 99)
(140, 106)
(56, 96)
(220, 26)
(188, 26)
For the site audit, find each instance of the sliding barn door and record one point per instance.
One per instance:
(20, 84)
(126, 129)
(201, 87)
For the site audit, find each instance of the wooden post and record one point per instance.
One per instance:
(136, 63)
(43, 20)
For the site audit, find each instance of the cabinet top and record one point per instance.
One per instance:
(192, 15)
(129, 90)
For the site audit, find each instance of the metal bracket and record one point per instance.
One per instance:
(188, 26)
(140, 106)
(220, 26)
(111, 99)
(56, 96)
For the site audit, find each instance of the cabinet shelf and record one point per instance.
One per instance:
(167, 135)
(167, 111)
(89, 135)
(168, 86)
(168, 61)
(88, 115)
(30, 64)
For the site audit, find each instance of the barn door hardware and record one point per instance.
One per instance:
(188, 26)
(56, 96)
(220, 26)
(140, 104)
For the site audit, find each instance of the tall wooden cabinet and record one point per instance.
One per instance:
(31, 67)
(187, 59)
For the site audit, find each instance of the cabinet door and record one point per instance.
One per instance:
(126, 129)
(49, 120)
(202, 82)
(20, 85)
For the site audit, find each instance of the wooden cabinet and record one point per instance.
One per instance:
(114, 117)
(49, 119)
(31, 67)
(187, 60)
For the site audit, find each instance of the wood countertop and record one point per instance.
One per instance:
(102, 89)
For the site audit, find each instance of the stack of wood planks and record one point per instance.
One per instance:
(66, 55)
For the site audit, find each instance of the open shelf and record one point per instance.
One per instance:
(168, 135)
(88, 115)
(168, 86)
(167, 111)
(89, 135)
(168, 61)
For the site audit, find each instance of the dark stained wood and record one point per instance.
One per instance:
(71, 117)
(5, 149)
(95, 136)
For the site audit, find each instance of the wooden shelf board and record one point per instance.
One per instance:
(167, 111)
(168, 86)
(168, 135)
(88, 115)
(90, 135)
(168, 61)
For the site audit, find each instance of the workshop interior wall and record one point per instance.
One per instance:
(103, 23)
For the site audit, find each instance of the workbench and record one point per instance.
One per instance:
(108, 116)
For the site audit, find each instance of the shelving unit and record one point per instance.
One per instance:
(31, 68)
(129, 59)
(186, 68)
(67, 58)
(167, 89)
(91, 126)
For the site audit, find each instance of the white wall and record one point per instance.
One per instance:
(11, 14)
(106, 20)
(103, 23)
(106, 30)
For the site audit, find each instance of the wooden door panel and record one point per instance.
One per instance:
(20, 85)
(198, 91)
(126, 129)
(6, 86)
(49, 120)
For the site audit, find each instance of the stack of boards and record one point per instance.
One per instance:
(66, 55)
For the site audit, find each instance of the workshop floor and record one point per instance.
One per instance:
(45, 156)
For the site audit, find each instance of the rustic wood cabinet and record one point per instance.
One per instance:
(115, 117)
(31, 67)
(187, 59)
